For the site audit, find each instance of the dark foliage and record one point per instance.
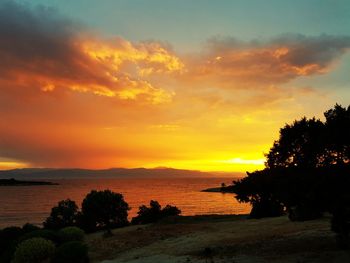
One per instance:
(62, 215)
(34, 250)
(71, 252)
(47, 234)
(8, 242)
(8, 235)
(154, 212)
(299, 145)
(266, 208)
(310, 143)
(337, 137)
(9, 239)
(29, 228)
(71, 233)
(169, 210)
(307, 172)
(103, 210)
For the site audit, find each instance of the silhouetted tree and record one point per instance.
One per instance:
(103, 210)
(306, 170)
(300, 144)
(257, 189)
(63, 215)
(337, 138)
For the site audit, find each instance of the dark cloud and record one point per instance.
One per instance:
(38, 41)
(321, 50)
(42, 51)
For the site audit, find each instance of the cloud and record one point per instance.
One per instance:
(44, 52)
(236, 64)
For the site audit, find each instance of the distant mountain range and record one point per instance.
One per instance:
(61, 173)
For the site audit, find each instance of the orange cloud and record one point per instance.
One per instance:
(56, 56)
(235, 64)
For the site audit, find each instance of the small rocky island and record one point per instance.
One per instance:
(14, 182)
(222, 189)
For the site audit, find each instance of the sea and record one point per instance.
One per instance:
(32, 204)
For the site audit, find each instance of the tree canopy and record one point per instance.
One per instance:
(62, 215)
(307, 169)
(104, 210)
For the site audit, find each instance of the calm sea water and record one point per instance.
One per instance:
(22, 204)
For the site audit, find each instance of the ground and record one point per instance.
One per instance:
(219, 239)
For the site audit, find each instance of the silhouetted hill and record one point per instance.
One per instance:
(106, 173)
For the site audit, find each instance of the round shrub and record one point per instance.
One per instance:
(71, 233)
(71, 252)
(43, 233)
(34, 250)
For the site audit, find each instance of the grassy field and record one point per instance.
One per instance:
(233, 239)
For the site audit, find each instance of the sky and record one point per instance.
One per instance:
(203, 85)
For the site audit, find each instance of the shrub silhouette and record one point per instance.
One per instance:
(169, 210)
(103, 210)
(62, 215)
(29, 228)
(34, 250)
(71, 233)
(71, 252)
(153, 213)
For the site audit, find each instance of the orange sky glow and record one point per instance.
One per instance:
(74, 98)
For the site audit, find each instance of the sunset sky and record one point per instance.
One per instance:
(201, 85)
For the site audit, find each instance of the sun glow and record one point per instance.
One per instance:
(5, 165)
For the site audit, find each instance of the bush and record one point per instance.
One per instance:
(303, 213)
(63, 215)
(42, 233)
(340, 224)
(10, 234)
(147, 215)
(71, 233)
(170, 211)
(71, 252)
(34, 250)
(266, 208)
(153, 213)
(103, 210)
(8, 242)
(29, 228)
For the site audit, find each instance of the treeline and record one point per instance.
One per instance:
(104, 210)
(62, 237)
(307, 173)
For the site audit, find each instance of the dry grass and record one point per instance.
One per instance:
(228, 239)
